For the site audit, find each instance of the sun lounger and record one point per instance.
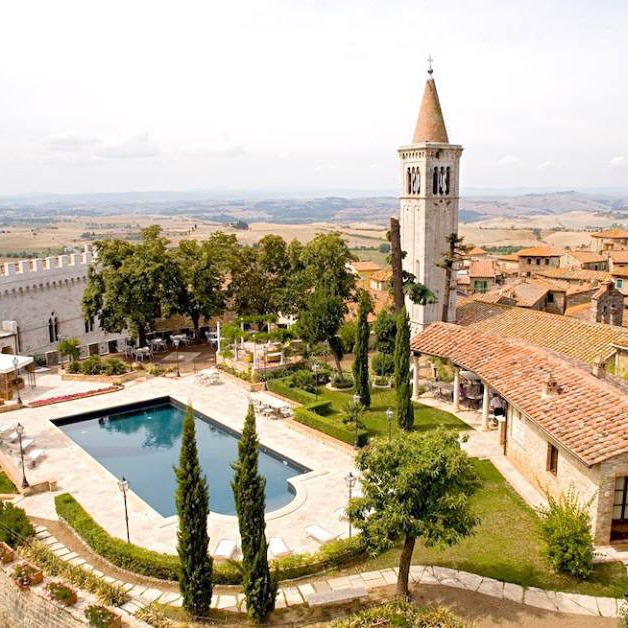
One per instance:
(225, 549)
(277, 547)
(6, 427)
(35, 456)
(341, 513)
(319, 534)
(26, 443)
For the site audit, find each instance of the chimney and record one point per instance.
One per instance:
(599, 368)
(550, 388)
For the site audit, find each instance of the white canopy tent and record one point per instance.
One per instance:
(7, 364)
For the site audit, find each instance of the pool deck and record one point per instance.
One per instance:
(320, 493)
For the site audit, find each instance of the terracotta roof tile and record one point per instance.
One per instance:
(586, 257)
(619, 257)
(483, 268)
(574, 274)
(587, 416)
(476, 250)
(611, 234)
(365, 266)
(541, 251)
(430, 125)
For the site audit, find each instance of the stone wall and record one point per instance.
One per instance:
(31, 609)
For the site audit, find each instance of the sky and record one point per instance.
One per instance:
(307, 94)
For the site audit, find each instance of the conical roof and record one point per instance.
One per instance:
(430, 126)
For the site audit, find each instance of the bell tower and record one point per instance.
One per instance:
(429, 206)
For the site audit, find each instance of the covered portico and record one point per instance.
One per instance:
(12, 371)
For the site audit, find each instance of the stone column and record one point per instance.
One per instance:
(415, 375)
(485, 406)
(456, 396)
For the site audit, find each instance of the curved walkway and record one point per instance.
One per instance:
(346, 588)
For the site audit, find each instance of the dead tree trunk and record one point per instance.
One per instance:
(396, 263)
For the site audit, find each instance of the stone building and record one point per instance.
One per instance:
(607, 305)
(40, 304)
(565, 423)
(537, 257)
(429, 205)
(610, 240)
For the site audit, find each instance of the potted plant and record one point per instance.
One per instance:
(26, 576)
(61, 593)
(102, 617)
(7, 555)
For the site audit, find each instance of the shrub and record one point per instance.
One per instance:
(323, 375)
(381, 381)
(92, 365)
(70, 347)
(281, 387)
(385, 328)
(302, 379)
(341, 382)
(73, 367)
(331, 427)
(61, 593)
(15, 528)
(40, 359)
(347, 334)
(114, 366)
(383, 364)
(320, 407)
(566, 530)
(101, 617)
(25, 575)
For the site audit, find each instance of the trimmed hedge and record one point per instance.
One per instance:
(331, 427)
(280, 387)
(322, 408)
(166, 566)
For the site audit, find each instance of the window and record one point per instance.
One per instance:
(552, 459)
(53, 328)
(550, 297)
(480, 285)
(547, 261)
(619, 283)
(538, 261)
(529, 261)
(620, 510)
(89, 324)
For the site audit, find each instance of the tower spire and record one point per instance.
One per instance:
(430, 125)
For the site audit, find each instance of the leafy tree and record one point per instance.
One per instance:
(15, 528)
(415, 487)
(260, 586)
(70, 347)
(384, 247)
(198, 291)
(192, 499)
(361, 352)
(320, 321)
(455, 252)
(403, 387)
(385, 329)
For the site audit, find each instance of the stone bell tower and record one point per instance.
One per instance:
(429, 206)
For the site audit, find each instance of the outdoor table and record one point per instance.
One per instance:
(158, 344)
(143, 352)
(183, 338)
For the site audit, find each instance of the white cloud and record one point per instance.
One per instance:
(71, 143)
(546, 164)
(218, 149)
(324, 167)
(138, 147)
(94, 148)
(509, 160)
(619, 161)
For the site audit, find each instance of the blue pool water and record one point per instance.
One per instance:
(143, 445)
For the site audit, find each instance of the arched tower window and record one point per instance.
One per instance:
(447, 179)
(435, 181)
(51, 329)
(417, 187)
(409, 181)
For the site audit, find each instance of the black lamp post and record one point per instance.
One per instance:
(265, 362)
(315, 368)
(176, 350)
(356, 410)
(389, 416)
(123, 485)
(350, 481)
(19, 428)
(17, 384)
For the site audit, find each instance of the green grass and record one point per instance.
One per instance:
(374, 419)
(506, 546)
(6, 486)
(371, 255)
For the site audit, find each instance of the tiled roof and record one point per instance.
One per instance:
(541, 251)
(619, 272)
(483, 268)
(586, 257)
(611, 234)
(382, 275)
(430, 125)
(476, 250)
(581, 311)
(574, 274)
(514, 257)
(577, 339)
(619, 257)
(586, 415)
(365, 266)
(463, 280)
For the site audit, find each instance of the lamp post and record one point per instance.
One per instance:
(356, 401)
(315, 368)
(265, 362)
(123, 485)
(176, 349)
(17, 384)
(389, 416)
(19, 428)
(350, 481)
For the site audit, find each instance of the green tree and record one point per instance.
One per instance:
(361, 351)
(70, 347)
(403, 386)
(415, 487)
(192, 499)
(320, 321)
(260, 586)
(385, 329)
(198, 290)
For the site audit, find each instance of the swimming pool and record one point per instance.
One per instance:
(142, 442)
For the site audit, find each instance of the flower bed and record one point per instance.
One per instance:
(61, 593)
(25, 576)
(7, 555)
(72, 397)
(102, 617)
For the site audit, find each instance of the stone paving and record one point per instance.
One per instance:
(331, 590)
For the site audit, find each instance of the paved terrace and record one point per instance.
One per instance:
(320, 493)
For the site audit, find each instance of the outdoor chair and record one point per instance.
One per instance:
(277, 547)
(319, 534)
(225, 549)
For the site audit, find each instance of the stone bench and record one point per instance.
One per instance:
(341, 596)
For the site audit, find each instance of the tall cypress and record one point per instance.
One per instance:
(195, 580)
(260, 586)
(403, 386)
(361, 351)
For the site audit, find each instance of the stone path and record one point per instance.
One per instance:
(301, 594)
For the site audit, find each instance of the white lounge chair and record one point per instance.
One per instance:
(225, 549)
(34, 457)
(319, 534)
(26, 443)
(341, 513)
(6, 427)
(277, 547)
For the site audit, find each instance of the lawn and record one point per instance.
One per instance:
(425, 417)
(506, 546)
(6, 486)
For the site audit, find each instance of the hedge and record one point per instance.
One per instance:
(320, 407)
(331, 427)
(166, 566)
(280, 387)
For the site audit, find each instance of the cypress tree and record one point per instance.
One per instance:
(260, 586)
(403, 387)
(361, 351)
(195, 580)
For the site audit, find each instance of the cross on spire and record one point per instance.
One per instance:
(429, 64)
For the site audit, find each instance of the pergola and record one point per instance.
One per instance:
(10, 366)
